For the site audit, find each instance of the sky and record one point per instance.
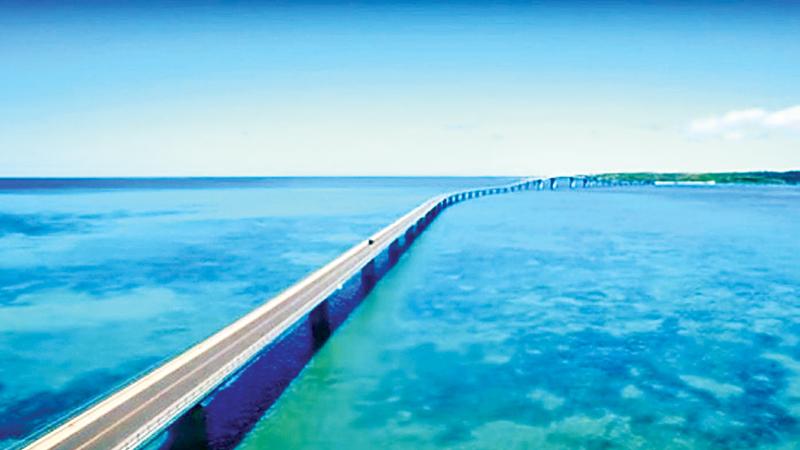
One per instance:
(397, 88)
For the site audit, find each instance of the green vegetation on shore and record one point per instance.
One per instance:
(791, 177)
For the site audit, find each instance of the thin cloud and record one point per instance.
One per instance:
(743, 123)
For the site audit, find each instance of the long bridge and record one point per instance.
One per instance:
(310, 309)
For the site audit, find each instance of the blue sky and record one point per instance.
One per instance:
(379, 88)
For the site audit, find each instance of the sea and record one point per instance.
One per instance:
(606, 318)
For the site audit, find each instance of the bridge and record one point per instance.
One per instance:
(135, 414)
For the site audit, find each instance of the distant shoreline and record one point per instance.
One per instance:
(761, 177)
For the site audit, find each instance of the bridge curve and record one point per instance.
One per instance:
(133, 415)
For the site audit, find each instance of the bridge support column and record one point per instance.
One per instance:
(189, 432)
(368, 276)
(553, 184)
(409, 237)
(394, 251)
(320, 324)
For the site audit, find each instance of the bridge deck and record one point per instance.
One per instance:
(134, 414)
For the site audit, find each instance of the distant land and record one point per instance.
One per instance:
(791, 177)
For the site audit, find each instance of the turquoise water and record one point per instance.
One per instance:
(103, 279)
(642, 318)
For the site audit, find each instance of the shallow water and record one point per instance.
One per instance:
(102, 279)
(639, 318)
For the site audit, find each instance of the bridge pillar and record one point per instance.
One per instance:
(320, 324)
(394, 251)
(368, 276)
(189, 432)
(408, 238)
(553, 184)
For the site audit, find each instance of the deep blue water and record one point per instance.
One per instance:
(101, 279)
(636, 318)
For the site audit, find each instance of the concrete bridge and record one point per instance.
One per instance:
(210, 395)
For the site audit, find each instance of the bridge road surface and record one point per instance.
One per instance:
(134, 414)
